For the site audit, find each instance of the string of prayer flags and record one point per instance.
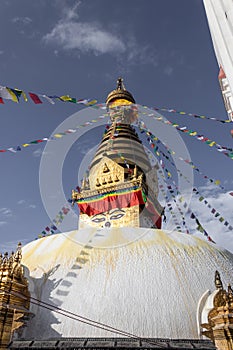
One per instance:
(15, 94)
(171, 110)
(53, 226)
(223, 149)
(199, 227)
(52, 138)
(169, 205)
(142, 128)
(213, 210)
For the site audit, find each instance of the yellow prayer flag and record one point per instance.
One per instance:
(57, 135)
(212, 144)
(92, 102)
(169, 174)
(66, 98)
(13, 95)
(217, 182)
(24, 96)
(26, 145)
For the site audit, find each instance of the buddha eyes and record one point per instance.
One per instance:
(113, 216)
(98, 219)
(116, 216)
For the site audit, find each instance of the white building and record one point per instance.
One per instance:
(220, 18)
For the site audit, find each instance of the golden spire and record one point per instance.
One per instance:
(120, 93)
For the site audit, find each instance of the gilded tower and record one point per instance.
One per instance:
(14, 296)
(121, 188)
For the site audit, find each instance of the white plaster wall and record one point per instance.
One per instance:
(148, 285)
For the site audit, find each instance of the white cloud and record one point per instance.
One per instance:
(2, 223)
(21, 201)
(33, 206)
(22, 20)
(85, 37)
(5, 212)
(71, 34)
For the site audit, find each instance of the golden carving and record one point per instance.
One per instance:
(220, 319)
(14, 296)
(97, 176)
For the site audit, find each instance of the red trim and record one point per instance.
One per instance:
(112, 202)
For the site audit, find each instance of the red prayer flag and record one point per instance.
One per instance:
(35, 98)
(1, 100)
(231, 193)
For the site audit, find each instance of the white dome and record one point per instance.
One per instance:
(142, 281)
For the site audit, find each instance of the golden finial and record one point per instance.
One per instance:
(120, 93)
(218, 282)
(120, 85)
(18, 253)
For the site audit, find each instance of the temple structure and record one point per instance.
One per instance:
(122, 187)
(120, 280)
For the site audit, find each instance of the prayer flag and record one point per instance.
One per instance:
(14, 96)
(35, 98)
(4, 93)
(210, 239)
(49, 98)
(66, 98)
(1, 100)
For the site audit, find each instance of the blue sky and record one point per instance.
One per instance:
(163, 50)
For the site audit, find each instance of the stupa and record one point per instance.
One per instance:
(120, 280)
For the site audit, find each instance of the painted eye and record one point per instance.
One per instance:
(98, 220)
(116, 216)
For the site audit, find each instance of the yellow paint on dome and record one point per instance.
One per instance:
(120, 102)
